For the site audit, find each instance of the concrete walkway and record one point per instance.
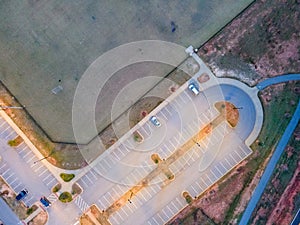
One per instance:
(32, 215)
(277, 80)
(270, 167)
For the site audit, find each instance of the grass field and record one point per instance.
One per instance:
(44, 44)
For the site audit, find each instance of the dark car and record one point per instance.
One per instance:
(21, 195)
(45, 201)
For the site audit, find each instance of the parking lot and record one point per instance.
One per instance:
(21, 169)
(129, 162)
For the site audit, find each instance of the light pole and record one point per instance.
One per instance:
(237, 107)
(197, 143)
(43, 158)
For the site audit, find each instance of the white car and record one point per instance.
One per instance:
(155, 121)
(194, 89)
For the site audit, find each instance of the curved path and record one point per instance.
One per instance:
(277, 80)
(278, 151)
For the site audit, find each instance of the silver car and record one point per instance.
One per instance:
(194, 89)
(155, 121)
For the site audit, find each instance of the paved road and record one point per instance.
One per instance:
(277, 80)
(270, 167)
(296, 220)
(7, 216)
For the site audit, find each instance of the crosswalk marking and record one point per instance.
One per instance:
(83, 206)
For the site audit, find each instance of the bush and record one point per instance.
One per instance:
(13, 143)
(138, 137)
(67, 177)
(31, 210)
(65, 197)
(56, 188)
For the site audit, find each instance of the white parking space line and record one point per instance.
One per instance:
(109, 203)
(174, 205)
(114, 154)
(10, 176)
(5, 172)
(2, 166)
(216, 177)
(221, 170)
(111, 196)
(161, 114)
(13, 181)
(210, 179)
(24, 156)
(114, 219)
(165, 214)
(168, 110)
(44, 171)
(45, 178)
(206, 185)
(182, 97)
(15, 187)
(30, 159)
(3, 131)
(2, 124)
(53, 179)
(225, 168)
(91, 172)
(128, 207)
(122, 209)
(10, 134)
(195, 192)
(86, 175)
(155, 221)
(38, 168)
(228, 162)
(23, 150)
(233, 159)
(238, 155)
(85, 184)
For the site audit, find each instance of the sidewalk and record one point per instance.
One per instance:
(54, 170)
(32, 215)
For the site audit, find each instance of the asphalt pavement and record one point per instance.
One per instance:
(7, 216)
(277, 80)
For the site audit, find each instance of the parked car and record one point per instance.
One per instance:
(21, 195)
(155, 121)
(194, 89)
(45, 201)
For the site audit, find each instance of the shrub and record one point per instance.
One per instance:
(15, 142)
(56, 188)
(65, 197)
(67, 177)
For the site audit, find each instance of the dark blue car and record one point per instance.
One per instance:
(21, 195)
(45, 201)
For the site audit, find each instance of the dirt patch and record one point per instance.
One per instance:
(282, 213)
(262, 42)
(40, 219)
(142, 108)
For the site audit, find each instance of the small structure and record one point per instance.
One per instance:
(57, 89)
